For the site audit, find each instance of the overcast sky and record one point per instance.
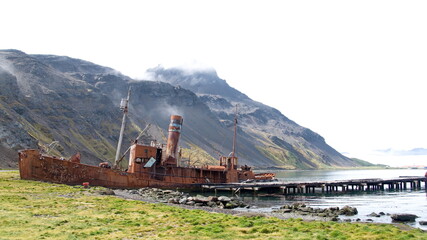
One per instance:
(352, 71)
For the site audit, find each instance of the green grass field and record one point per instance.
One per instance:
(36, 210)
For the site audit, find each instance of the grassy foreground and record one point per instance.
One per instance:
(36, 210)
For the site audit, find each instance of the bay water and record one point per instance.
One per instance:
(387, 201)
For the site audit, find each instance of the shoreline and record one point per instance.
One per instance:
(58, 211)
(124, 194)
(237, 211)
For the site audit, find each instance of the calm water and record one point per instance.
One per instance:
(410, 201)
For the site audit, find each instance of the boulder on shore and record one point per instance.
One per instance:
(403, 217)
(348, 211)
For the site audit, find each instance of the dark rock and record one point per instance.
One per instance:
(423, 223)
(107, 192)
(348, 211)
(403, 217)
(333, 209)
(373, 214)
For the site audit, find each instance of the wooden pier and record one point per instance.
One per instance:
(286, 188)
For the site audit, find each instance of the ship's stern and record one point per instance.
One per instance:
(25, 162)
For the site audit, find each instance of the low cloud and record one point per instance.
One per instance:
(194, 67)
(147, 76)
(6, 66)
(185, 69)
(411, 152)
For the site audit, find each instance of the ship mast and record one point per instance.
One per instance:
(235, 134)
(124, 107)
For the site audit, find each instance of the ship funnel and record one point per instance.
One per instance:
(173, 138)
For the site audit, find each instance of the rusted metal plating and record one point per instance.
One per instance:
(147, 168)
(174, 130)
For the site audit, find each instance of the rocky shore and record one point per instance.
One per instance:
(233, 205)
(181, 198)
(331, 213)
(168, 197)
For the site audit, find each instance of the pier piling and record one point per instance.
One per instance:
(287, 188)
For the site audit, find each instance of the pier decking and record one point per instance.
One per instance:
(372, 184)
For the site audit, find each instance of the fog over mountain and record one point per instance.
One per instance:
(46, 98)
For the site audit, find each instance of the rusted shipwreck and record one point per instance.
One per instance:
(150, 165)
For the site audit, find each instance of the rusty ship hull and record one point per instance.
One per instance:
(35, 166)
(149, 166)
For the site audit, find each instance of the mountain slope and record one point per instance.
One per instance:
(50, 106)
(46, 98)
(275, 136)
